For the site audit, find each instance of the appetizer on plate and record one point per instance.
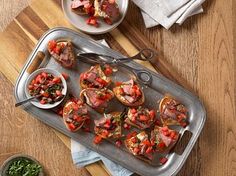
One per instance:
(105, 9)
(140, 117)
(109, 126)
(139, 145)
(96, 98)
(62, 52)
(96, 77)
(47, 88)
(172, 112)
(75, 113)
(129, 93)
(164, 138)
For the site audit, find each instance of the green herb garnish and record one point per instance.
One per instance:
(23, 167)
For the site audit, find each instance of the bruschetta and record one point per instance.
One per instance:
(96, 98)
(172, 112)
(164, 138)
(140, 117)
(109, 126)
(62, 52)
(140, 146)
(96, 77)
(74, 115)
(129, 93)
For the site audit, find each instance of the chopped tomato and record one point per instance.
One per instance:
(52, 44)
(118, 83)
(152, 113)
(75, 107)
(72, 126)
(65, 75)
(133, 111)
(43, 102)
(163, 160)
(161, 145)
(105, 133)
(126, 126)
(56, 80)
(136, 150)
(58, 93)
(30, 87)
(143, 118)
(121, 91)
(108, 96)
(173, 135)
(44, 74)
(97, 139)
(165, 129)
(45, 94)
(130, 135)
(184, 124)
(108, 70)
(146, 142)
(101, 81)
(108, 21)
(118, 143)
(134, 139)
(149, 150)
(166, 133)
(92, 21)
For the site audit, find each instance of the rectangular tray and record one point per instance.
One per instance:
(159, 87)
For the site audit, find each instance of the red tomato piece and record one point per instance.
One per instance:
(161, 145)
(65, 75)
(58, 93)
(126, 126)
(71, 126)
(44, 74)
(130, 135)
(56, 80)
(118, 83)
(45, 94)
(133, 111)
(108, 21)
(108, 70)
(97, 139)
(149, 150)
(163, 160)
(172, 135)
(136, 150)
(143, 118)
(134, 139)
(30, 87)
(152, 113)
(118, 143)
(43, 102)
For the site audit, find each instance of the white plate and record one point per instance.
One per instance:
(35, 102)
(79, 21)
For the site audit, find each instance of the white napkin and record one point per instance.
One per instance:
(83, 156)
(168, 12)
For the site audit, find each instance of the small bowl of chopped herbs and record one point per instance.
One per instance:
(21, 165)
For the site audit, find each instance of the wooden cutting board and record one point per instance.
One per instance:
(20, 37)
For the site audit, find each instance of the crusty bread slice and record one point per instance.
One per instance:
(126, 102)
(97, 129)
(86, 99)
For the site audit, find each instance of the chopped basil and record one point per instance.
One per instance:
(23, 167)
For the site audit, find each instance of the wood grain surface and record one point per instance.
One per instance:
(199, 54)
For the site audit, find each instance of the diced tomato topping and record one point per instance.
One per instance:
(75, 107)
(152, 114)
(92, 21)
(58, 93)
(105, 133)
(136, 150)
(108, 96)
(121, 91)
(166, 133)
(134, 139)
(56, 80)
(118, 143)
(30, 87)
(133, 111)
(44, 74)
(97, 139)
(43, 102)
(143, 118)
(163, 160)
(101, 81)
(52, 44)
(165, 129)
(161, 145)
(72, 126)
(172, 135)
(126, 126)
(146, 142)
(130, 135)
(65, 75)
(118, 83)
(108, 70)
(149, 150)
(45, 94)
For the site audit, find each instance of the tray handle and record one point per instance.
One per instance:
(39, 58)
(183, 142)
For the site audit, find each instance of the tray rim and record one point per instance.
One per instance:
(28, 61)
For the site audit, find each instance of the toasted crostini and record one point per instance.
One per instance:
(62, 52)
(164, 138)
(140, 117)
(96, 98)
(74, 115)
(172, 112)
(129, 93)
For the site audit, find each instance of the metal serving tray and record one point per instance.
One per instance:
(159, 87)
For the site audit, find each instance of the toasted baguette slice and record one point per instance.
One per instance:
(114, 133)
(101, 75)
(164, 139)
(88, 99)
(70, 111)
(168, 120)
(66, 56)
(128, 143)
(124, 101)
